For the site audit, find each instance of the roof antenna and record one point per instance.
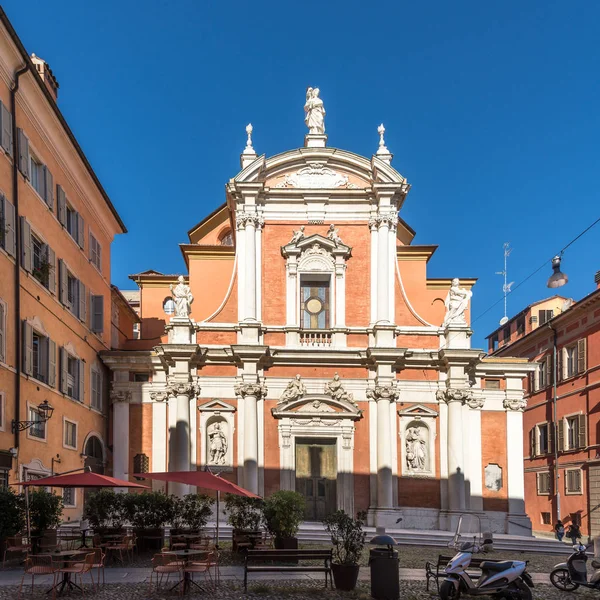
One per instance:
(506, 287)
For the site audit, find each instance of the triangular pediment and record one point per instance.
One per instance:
(216, 406)
(418, 410)
(317, 405)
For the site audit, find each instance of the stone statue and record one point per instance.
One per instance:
(183, 298)
(297, 235)
(336, 390)
(334, 235)
(456, 303)
(218, 445)
(295, 389)
(415, 449)
(315, 112)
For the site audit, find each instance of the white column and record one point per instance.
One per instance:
(241, 270)
(193, 411)
(340, 296)
(456, 466)
(159, 439)
(291, 301)
(258, 268)
(250, 393)
(121, 437)
(374, 233)
(383, 272)
(392, 271)
(384, 455)
(515, 476)
(250, 279)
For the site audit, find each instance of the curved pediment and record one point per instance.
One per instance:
(315, 249)
(317, 406)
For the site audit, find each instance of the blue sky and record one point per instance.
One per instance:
(491, 110)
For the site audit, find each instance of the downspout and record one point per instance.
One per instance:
(555, 420)
(15, 194)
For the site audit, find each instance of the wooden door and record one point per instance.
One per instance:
(316, 474)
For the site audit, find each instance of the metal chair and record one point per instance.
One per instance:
(203, 567)
(79, 568)
(164, 564)
(99, 557)
(120, 547)
(40, 564)
(15, 544)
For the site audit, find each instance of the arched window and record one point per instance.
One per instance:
(93, 448)
(169, 305)
(226, 238)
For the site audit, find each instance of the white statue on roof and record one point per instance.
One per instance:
(456, 303)
(315, 112)
(183, 297)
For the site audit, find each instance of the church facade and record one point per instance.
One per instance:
(307, 349)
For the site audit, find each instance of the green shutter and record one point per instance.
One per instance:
(81, 308)
(6, 133)
(581, 356)
(27, 348)
(63, 282)
(97, 313)
(61, 206)
(80, 231)
(10, 238)
(81, 381)
(64, 370)
(51, 363)
(582, 430)
(51, 257)
(561, 435)
(26, 252)
(2, 332)
(48, 188)
(23, 150)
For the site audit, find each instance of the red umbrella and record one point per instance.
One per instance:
(82, 480)
(202, 479)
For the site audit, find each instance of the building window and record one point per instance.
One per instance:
(506, 334)
(41, 267)
(543, 483)
(543, 441)
(38, 429)
(95, 252)
(136, 331)
(40, 362)
(169, 305)
(4, 485)
(546, 518)
(570, 360)
(494, 343)
(96, 389)
(69, 497)
(226, 238)
(39, 355)
(572, 437)
(574, 359)
(71, 375)
(141, 377)
(314, 305)
(72, 222)
(573, 481)
(521, 326)
(544, 316)
(72, 292)
(544, 372)
(492, 384)
(36, 175)
(70, 437)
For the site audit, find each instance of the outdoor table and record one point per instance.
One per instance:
(187, 577)
(189, 537)
(61, 556)
(83, 540)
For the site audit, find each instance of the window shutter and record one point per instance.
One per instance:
(26, 257)
(27, 348)
(6, 134)
(94, 387)
(80, 231)
(561, 435)
(548, 366)
(550, 427)
(582, 431)
(559, 364)
(2, 334)
(63, 282)
(61, 205)
(81, 380)
(48, 187)
(64, 370)
(81, 313)
(23, 149)
(51, 363)
(97, 313)
(532, 442)
(535, 378)
(581, 355)
(51, 257)
(10, 238)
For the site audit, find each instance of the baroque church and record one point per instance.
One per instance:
(307, 349)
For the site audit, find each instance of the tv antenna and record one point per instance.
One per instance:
(506, 287)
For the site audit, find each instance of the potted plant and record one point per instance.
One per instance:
(12, 515)
(191, 513)
(105, 511)
(245, 517)
(148, 513)
(45, 512)
(283, 512)
(348, 539)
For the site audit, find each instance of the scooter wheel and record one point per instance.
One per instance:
(448, 591)
(561, 579)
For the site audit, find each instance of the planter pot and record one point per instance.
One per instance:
(242, 539)
(345, 576)
(286, 543)
(150, 538)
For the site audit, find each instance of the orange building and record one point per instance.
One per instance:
(318, 354)
(56, 227)
(561, 422)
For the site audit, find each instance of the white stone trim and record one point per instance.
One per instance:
(209, 412)
(427, 418)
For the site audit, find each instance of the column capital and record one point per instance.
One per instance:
(159, 396)
(388, 219)
(257, 390)
(119, 395)
(182, 388)
(516, 404)
(243, 219)
(462, 395)
(388, 393)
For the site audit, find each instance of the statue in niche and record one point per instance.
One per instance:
(416, 449)
(334, 235)
(297, 235)
(315, 112)
(295, 389)
(456, 303)
(217, 445)
(336, 390)
(182, 294)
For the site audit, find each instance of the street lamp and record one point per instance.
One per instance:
(558, 278)
(45, 411)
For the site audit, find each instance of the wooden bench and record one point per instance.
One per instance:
(270, 558)
(436, 570)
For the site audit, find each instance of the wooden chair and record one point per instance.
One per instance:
(164, 564)
(120, 547)
(40, 564)
(80, 568)
(15, 544)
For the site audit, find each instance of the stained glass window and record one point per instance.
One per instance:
(314, 309)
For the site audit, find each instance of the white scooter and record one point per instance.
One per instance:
(568, 576)
(500, 579)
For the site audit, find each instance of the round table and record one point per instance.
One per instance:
(62, 556)
(187, 579)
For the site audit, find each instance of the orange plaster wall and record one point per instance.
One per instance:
(140, 432)
(493, 435)
(152, 314)
(229, 312)
(362, 467)
(209, 282)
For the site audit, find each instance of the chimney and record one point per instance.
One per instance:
(45, 72)
(597, 280)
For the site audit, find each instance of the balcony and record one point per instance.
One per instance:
(315, 338)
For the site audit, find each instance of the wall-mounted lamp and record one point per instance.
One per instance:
(45, 411)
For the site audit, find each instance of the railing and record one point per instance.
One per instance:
(315, 338)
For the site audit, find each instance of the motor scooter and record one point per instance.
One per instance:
(506, 579)
(568, 576)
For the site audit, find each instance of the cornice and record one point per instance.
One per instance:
(445, 283)
(413, 253)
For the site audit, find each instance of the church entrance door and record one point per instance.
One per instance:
(316, 476)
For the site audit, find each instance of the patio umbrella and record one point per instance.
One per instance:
(202, 479)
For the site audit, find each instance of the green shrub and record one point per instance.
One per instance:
(347, 536)
(105, 509)
(45, 510)
(283, 512)
(243, 513)
(192, 511)
(149, 510)
(12, 513)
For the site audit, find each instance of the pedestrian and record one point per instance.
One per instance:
(574, 533)
(559, 528)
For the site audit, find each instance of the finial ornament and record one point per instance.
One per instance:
(315, 112)
(382, 147)
(249, 149)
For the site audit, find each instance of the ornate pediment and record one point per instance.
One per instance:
(316, 175)
(315, 247)
(216, 406)
(418, 411)
(319, 406)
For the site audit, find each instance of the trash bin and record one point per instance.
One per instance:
(385, 584)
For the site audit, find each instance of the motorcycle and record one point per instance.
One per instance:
(568, 576)
(506, 579)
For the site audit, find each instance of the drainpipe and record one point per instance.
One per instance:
(555, 420)
(15, 198)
